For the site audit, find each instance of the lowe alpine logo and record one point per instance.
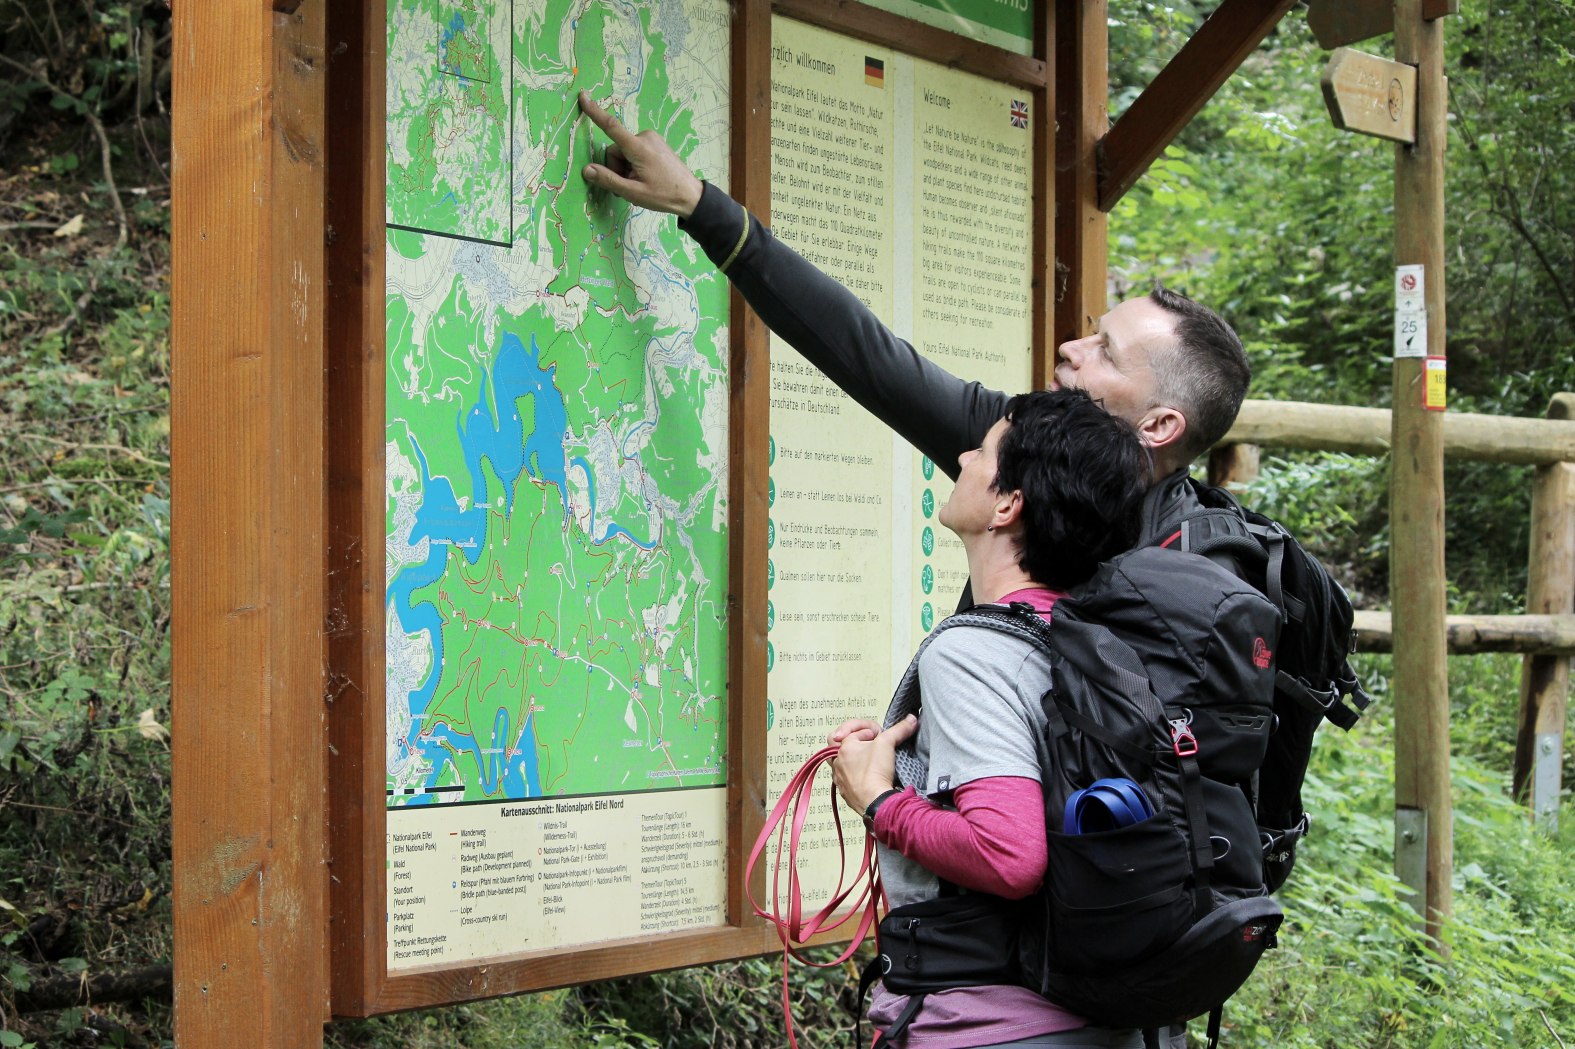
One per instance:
(1261, 654)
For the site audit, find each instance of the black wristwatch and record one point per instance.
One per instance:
(874, 806)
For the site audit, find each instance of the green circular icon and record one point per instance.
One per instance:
(771, 615)
(771, 492)
(927, 616)
(927, 541)
(928, 466)
(927, 579)
(771, 450)
(771, 661)
(771, 715)
(927, 503)
(771, 574)
(771, 534)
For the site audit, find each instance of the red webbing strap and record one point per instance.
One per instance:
(795, 930)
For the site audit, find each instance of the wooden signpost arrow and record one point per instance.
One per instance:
(1371, 95)
(1339, 22)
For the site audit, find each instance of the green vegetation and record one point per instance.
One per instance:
(1261, 208)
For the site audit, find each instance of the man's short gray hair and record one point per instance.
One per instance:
(1203, 372)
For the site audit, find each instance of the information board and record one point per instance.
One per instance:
(556, 486)
(636, 561)
(910, 183)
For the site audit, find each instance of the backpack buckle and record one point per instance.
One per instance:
(1182, 738)
(911, 961)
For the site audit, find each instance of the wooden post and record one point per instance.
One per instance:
(1082, 108)
(749, 433)
(1421, 684)
(1233, 465)
(1042, 277)
(250, 744)
(1545, 679)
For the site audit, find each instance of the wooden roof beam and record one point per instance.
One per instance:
(1181, 90)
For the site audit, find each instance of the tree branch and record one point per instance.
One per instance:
(76, 308)
(80, 446)
(66, 990)
(98, 130)
(1506, 204)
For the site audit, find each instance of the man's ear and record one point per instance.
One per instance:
(1162, 429)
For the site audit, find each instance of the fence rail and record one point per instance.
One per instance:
(1468, 635)
(1365, 431)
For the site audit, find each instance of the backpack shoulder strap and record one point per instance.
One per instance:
(1019, 619)
(1213, 524)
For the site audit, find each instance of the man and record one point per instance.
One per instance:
(1167, 365)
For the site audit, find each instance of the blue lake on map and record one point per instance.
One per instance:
(612, 527)
(515, 373)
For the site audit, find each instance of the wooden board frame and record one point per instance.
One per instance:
(360, 982)
(1082, 108)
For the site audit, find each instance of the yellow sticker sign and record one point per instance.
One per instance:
(1434, 387)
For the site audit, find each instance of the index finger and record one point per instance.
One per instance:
(609, 124)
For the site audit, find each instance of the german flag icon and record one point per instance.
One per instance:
(874, 72)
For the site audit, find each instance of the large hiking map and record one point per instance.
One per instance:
(556, 443)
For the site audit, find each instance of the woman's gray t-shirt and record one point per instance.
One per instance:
(981, 717)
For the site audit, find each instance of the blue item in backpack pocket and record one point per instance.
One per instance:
(1109, 804)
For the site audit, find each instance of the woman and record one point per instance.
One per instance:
(1054, 490)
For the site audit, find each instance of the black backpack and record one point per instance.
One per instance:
(1163, 670)
(1314, 679)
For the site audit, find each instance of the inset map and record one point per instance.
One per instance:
(450, 106)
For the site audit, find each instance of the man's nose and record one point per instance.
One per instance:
(1072, 351)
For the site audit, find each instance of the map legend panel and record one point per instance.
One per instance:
(492, 880)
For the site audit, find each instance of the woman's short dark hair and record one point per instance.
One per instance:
(1082, 473)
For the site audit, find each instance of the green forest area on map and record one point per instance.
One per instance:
(556, 415)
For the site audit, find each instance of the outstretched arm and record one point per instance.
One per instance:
(935, 411)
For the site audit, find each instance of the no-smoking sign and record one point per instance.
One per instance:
(1410, 287)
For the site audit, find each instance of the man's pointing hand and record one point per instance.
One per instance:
(642, 169)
